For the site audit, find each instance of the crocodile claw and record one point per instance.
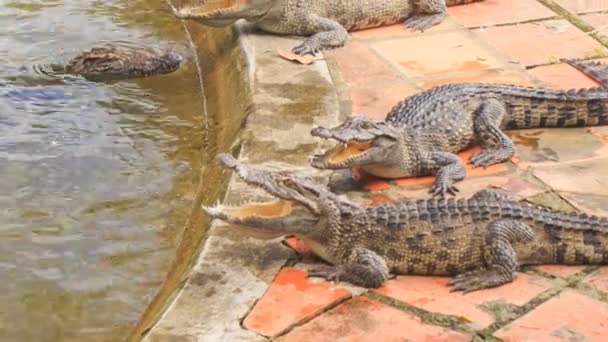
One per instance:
(305, 49)
(476, 280)
(423, 22)
(330, 273)
(440, 189)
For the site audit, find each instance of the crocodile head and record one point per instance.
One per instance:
(115, 62)
(361, 142)
(209, 14)
(301, 206)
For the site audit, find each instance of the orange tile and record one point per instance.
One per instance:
(496, 12)
(540, 42)
(290, 299)
(433, 294)
(376, 102)
(415, 181)
(583, 6)
(562, 271)
(429, 55)
(362, 319)
(298, 245)
(359, 65)
(598, 279)
(489, 76)
(562, 76)
(568, 316)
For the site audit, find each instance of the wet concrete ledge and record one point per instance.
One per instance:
(233, 272)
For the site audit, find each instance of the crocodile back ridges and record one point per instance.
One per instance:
(439, 212)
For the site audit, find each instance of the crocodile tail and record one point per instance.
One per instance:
(593, 69)
(541, 107)
(460, 2)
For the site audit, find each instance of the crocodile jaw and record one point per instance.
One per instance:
(264, 220)
(344, 155)
(225, 16)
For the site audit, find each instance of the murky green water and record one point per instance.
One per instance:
(95, 178)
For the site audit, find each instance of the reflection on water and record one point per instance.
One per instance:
(96, 178)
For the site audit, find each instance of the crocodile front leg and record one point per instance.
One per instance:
(367, 269)
(496, 145)
(329, 34)
(451, 170)
(427, 14)
(499, 256)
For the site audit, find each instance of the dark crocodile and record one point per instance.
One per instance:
(480, 241)
(326, 22)
(101, 63)
(421, 134)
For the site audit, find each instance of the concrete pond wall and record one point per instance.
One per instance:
(262, 108)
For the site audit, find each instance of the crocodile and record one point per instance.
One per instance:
(422, 133)
(326, 22)
(480, 241)
(111, 62)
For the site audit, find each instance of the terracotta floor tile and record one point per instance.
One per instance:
(362, 319)
(488, 76)
(582, 6)
(299, 246)
(586, 177)
(359, 65)
(552, 146)
(496, 12)
(399, 30)
(599, 21)
(429, 55)
(562, 76)
(433, 294)
(291, 298)
(598, 279)
(540, 42)
(569, 316)
(376, 102)
(560, 270)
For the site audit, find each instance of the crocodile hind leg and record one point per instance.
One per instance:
(427, 14)
(367, 269)
(329, 34)
(596, 70)
(499, 256)
(496, 145)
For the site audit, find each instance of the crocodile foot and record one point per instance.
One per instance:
(305, 49)
(440, 188)
(485, 158)
(423, 22)
(477, 280)
(330, 273)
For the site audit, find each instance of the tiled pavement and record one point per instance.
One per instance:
(507, 41)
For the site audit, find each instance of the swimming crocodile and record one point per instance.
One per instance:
(480, 241)
(326, 22)
(422, 133)
(117, 62)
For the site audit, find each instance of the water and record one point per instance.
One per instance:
(95, 178)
